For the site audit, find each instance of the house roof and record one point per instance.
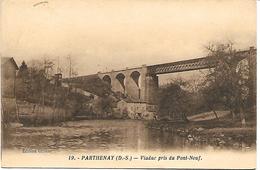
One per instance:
(6, 59)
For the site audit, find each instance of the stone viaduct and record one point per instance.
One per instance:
(140, 84)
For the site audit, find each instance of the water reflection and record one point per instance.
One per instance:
(109, 135)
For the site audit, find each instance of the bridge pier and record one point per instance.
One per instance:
(151, 89)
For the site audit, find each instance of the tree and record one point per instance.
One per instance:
(33, 81)
(103, 106)
(48, 67)
(174, 101)
(22, 83)
(23, 70)
(226, 83)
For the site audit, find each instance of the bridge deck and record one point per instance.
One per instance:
(188, 65)
(179, 66)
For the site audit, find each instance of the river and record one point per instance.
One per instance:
(104, 135)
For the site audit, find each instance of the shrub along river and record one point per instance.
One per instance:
(115, 135)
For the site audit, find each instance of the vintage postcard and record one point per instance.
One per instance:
(128, 84)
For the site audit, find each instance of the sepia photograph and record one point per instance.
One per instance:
(128, 83)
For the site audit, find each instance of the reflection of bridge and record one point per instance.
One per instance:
(141, 83)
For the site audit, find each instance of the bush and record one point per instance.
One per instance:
(174, 102)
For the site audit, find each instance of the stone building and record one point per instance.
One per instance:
(8, 79)
(8, 76)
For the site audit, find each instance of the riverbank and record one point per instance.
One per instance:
(216, 133)
(32, 114)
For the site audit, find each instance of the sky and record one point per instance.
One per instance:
(101, 35)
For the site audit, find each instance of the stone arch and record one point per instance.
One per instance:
(107, 79)
(136, 76)
(121, 78)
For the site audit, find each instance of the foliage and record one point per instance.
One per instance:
(22, 82)
(174, 101)
(226, 84)
(103, 106)
(34, 85)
